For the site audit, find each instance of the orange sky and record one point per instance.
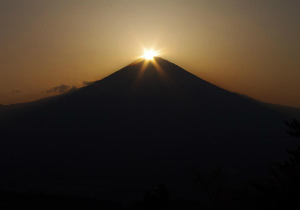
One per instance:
(246, 46)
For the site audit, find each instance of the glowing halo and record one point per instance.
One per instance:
(149, 54)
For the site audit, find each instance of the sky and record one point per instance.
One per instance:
(247, 46)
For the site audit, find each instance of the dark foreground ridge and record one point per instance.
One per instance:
(146, 124)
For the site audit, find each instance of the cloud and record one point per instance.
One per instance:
(87, 83)
(59, 89)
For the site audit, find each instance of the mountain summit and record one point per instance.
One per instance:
(156, 79)
(151, 122)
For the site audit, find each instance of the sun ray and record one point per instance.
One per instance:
(149, 57)
(149, 54)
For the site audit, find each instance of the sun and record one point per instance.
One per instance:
(149, 54)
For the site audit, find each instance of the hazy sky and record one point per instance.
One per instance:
(246, 46)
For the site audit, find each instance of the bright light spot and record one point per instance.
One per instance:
(149, 54)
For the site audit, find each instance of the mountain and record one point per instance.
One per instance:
(151, 122)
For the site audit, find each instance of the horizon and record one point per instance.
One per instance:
(62, 89)
(248, 47)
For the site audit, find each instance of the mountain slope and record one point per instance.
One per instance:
(146, 124)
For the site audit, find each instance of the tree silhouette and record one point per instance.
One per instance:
(159, 199)
(212, 186)
(295, 128)
(282, 188)
(289, 171)
(285, 177)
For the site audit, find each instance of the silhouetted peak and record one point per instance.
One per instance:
(154, 81)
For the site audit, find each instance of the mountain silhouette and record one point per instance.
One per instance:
(151, 122)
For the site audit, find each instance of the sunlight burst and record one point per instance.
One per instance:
(149, 54)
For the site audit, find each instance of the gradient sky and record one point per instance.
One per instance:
(246, 46)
